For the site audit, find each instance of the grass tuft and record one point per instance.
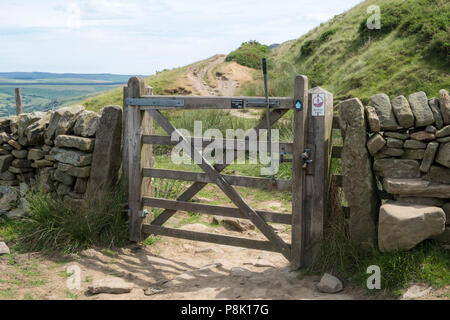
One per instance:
(54, 225)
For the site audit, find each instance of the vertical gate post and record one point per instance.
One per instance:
(18, 93)
(136, 88)
(317, 181)
(298, 172)
(147, 154)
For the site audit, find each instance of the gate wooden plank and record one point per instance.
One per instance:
(298, 172)
(214, 102)
(222, 211)
(196, 187)
(243, 181)
(134, 172)
(228, 144)
(210, 237)
(229, 191)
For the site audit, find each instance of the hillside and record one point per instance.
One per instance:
(410, 53)
(212, 76)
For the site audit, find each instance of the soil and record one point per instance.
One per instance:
(170, 269)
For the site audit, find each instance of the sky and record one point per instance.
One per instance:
(145, 36)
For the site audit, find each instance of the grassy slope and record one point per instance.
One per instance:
(162, 83)
(393, 64)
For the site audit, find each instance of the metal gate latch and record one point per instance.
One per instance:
(306, 158)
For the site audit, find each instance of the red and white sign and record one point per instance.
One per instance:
(318, 104)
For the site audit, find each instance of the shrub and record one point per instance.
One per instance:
(55, 225)
(249, 54)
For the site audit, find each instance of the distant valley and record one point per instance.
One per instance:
(43, 91)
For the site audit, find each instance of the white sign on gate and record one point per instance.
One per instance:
(318, 104)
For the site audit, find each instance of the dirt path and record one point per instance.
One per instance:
(172, 268)
(218, 78)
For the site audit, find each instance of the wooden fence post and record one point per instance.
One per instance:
(18, 93)
(136, 88)
(317, 181)
(298, 173)
(125, 162)
(148, 161)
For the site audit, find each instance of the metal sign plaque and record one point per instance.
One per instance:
(298, 105)
(318, 104)
(237, 104)
(155, 102)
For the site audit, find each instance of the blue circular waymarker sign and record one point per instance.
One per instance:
(298, 105)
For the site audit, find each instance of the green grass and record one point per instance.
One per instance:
(427, 263)
(52, 225)
(408, 54)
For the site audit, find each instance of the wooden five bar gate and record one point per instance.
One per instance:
(311, 158)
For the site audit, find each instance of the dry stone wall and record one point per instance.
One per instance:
(57, 149)
(408, 139)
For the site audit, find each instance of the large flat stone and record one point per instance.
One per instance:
(396, 168)
(444, 103)
(111, 286)
(86, 124)
(402, 226)
(438, 174)
(4, 249)
(392, 152)
(62, 121)
(5, 162)
(375, 143)
(414, 154)
(72, 157)
(420, 108)
(428, 157)
(359, 182)
(435, 108)
(63, 177)
(444, 132)
(80, 143)
(397, 135)
(403, 112)
(416, 187)
(383, 108)
(443, 156)
(394, 143)
(80, 172)
(107, 155)
(423, 136)
(414, 144)
(372, 119)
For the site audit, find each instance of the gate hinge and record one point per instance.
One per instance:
(306, 156)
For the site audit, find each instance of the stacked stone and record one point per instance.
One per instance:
(409, 140)
(53, 148)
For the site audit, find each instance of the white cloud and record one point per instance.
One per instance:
(142, 36)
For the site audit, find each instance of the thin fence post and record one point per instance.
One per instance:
(317, 180)
(298, 172)
(136, 89)
(18, 92)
